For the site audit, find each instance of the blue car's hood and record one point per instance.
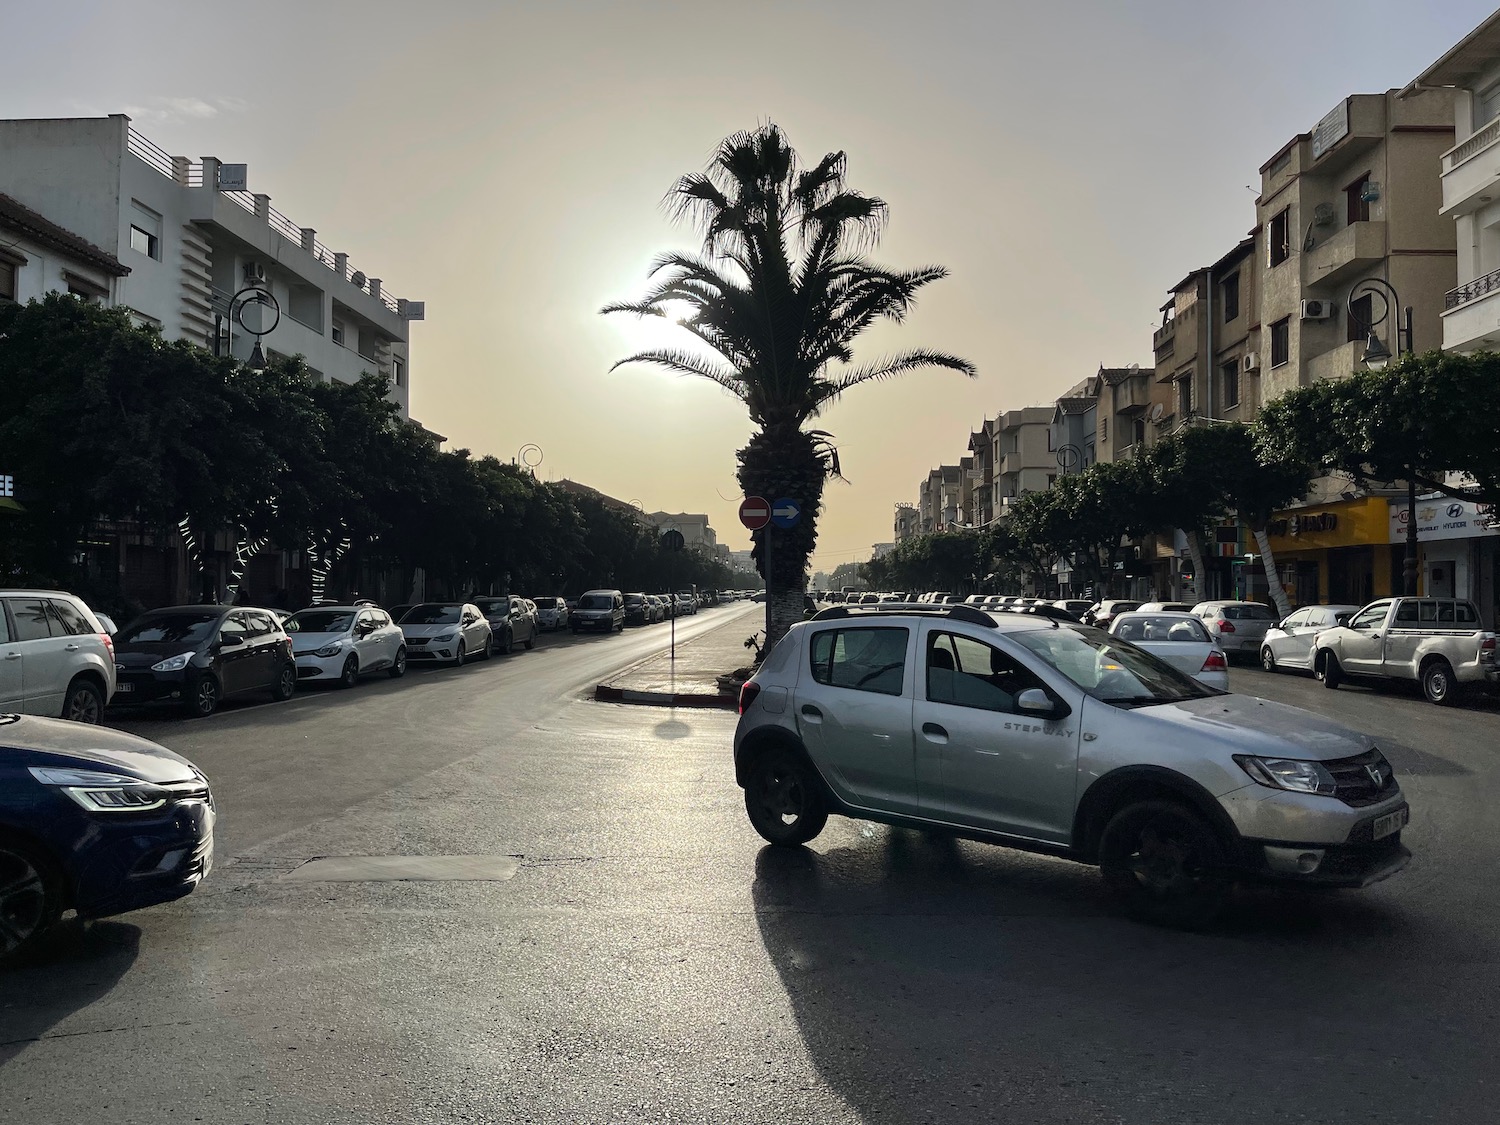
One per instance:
(34, 741)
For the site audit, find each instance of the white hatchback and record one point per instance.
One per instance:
(1178, 638)
(344, 642)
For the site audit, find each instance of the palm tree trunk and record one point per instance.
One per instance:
(1273, 580)
(779, 462)
(1195, 552)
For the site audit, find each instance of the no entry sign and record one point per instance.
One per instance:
(755, 512)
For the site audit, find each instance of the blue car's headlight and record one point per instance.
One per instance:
(102, 792)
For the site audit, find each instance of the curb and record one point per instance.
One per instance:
(604, 693)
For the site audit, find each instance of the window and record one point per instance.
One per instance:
(968, 673)
(1185, 394)
(1371, 618)
(33, 623)
(1138, 431)
(1104, 428)
(7, 280)
(1231, 372)
(1487, 106)
(1361, 313)
(233, 627)
(1357, 206)
(398, 369)
(338, 333)
(145, 230)
(1279, 236)
(1466, 614)
(1231, 294)
(861, 659)
(85, 288)
(1051, 448)
(258, 624)
(70, 619)
(1281, 342)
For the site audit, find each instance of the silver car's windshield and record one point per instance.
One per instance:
(1110, 669)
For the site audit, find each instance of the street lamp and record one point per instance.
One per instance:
(528, 457)
(1376, 357)
(250, 295)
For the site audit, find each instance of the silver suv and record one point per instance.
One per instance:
(55, 657)
(1041, 734)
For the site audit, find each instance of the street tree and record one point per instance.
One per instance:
(776, 298)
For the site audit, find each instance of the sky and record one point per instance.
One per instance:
(506, 163)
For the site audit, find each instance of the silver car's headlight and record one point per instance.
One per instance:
(1289, 774)
(173, 663)
(333, 648)
(102, 792)
(443, 639)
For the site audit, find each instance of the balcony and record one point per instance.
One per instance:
(1471, 316)
(1337, 363)
(1355, 248)
(1471, 171)
(1164, 338)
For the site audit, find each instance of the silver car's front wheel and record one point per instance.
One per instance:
(1165, 863)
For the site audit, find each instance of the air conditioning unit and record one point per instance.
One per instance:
(1317, 310)
(255, 272)
(1251, 362)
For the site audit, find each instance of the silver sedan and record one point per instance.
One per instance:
(1178, 638)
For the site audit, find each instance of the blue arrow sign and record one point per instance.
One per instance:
(785, 512)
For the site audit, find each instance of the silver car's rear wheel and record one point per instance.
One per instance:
(84, 702)
(782, 799)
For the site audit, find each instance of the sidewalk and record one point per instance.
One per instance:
(692, 679)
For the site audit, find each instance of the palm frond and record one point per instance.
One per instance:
(685, 363)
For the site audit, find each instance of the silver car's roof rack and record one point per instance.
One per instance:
(901, 609)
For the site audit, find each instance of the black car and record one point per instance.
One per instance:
(96, 821)
(198, 655)
(637, 611)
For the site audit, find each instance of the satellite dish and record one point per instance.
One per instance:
(358, 279)
(1134, 369)
(1157, 411)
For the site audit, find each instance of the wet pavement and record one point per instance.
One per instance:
(689, 673)
(648, 960)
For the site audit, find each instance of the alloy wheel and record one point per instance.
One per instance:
(84, 705)
(23, 900)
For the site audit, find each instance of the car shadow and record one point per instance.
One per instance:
(932, 979)
(77, 964)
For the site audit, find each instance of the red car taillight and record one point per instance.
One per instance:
(109, 644)
(1215, 662)
(1226, 626)
(747, 695)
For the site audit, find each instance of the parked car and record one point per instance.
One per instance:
(1436, 642)
(656, 610)
(397, 612)
(1058, 739)
(512, 622)
(98, 822)
(343, 643)
(106, 622)
(1076, 606)
(551, 613)
(1237, 627)
(1104, 612)
(449, 632)
(200, 655)
(637, 610)
(602, 610)
(1165, 607)
(56, 658)
(1289, 643)
(686, 603)
(1179, 639)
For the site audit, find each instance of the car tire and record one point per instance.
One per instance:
(1165, 864)
(783, 801)
(508, 644)
(286, 683)
(349, 676)
(531, 641)
(1329, 671)
(84, 702)
(489, 647)
(30, 896)
(1267, 659)
(203, 697)
(1438, 683)
(460, 656)
(398, 669)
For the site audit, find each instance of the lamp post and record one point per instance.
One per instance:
(528, 457)
(250, 295)
(1376, 356)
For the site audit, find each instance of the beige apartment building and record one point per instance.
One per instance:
(1357, 197)
(1022, 453)
(938, 499)
(1122, 397)
(1207, 358)
(981, 507)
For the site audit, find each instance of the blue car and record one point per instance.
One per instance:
(96, 821)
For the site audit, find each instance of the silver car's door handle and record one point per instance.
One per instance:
(811, 713)
(935, 733)
(70, 648)
(13, 656)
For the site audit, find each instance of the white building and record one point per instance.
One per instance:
(192, 237)
(37, 257)
(1471, 184)
(694, 527)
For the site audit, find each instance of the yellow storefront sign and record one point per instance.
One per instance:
(1344, 523)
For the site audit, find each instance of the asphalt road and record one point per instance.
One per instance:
(642, 958)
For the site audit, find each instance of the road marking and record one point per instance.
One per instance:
(386, 868)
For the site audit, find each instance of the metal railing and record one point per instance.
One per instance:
(157, 158)
(1472, 290)
(1477, 143)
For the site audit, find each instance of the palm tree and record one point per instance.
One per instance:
(777, 296)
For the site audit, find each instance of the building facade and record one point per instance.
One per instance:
(1024, 458)
(192, 239)
(38, 256)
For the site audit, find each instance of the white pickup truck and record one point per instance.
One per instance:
(1437, 642)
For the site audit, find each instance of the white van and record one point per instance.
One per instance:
(602, 610)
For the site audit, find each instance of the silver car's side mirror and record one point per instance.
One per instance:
(1035, 701)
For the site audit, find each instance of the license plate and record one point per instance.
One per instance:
(1389, 823)
(124, 689)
